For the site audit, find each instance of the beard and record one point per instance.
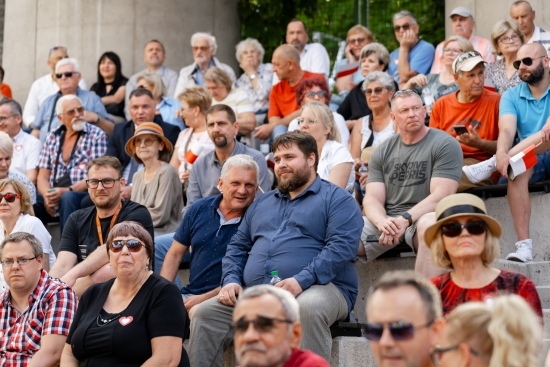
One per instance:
(298, 179)
(535, 76)
(78, 124)
(219, 143)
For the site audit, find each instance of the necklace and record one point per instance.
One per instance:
(100, 321)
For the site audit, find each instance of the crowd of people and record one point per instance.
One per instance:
(268, 187)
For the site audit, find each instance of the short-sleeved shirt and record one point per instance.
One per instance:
(26, 149)
(282, 99)
(507, 281)
(315, 59)
(407, 169)
(52, 306)
(80, 235)
(203, 230)
(333, 154)
(238, 100)
(531, 114)
(420, 60)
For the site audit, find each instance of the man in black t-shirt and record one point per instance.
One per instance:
(80, 262)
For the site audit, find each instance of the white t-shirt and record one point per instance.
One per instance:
(340, 124)
(379, 136)
(238, 100)
(333, 154)
(197, 139)
(26, 150)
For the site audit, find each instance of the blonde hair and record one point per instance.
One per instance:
(196, 97)
(361, 29)
(19, 189)
(463, 42)
(155, 81)
(323, 113)
(218, 76)
(500, 28)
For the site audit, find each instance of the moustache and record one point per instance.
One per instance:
(253, 347)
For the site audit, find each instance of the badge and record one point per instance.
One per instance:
(125, 320)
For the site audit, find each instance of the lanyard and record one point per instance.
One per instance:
(98, 223)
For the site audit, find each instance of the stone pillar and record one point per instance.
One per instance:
(90, 27)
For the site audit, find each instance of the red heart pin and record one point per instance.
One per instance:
(125, 320)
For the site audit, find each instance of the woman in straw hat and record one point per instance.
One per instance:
(157, 185)
(464, 239)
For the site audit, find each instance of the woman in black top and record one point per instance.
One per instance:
(110, 85)
(135, 319)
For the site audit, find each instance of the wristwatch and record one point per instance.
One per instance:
(252, 76)
(408, 217)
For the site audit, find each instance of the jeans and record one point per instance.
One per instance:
(162, 245)
(70, 202)
(541, 170)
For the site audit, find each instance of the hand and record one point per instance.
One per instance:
(545, 132)
(418, 80)
(387, 240)
(291, 285)
(263, 132)
(229, 293)
(90, 116)
(126, 193)
(349, 55)
(392, 229)
(193, 301)
(185, 176)
(409, 39)
(53, 196)
(503, 160)
(249, 66)
(471, 139)
(363, 179)
(68, 279)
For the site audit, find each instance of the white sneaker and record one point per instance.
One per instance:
(523, 253)
(480, 171)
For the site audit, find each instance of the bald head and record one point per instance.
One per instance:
(532, 50)
(288, 52)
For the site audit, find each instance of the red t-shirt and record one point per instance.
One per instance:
(305, 358)
(282, 99)
(507, 282)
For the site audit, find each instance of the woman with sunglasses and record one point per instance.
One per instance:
(111, 85)
(464, 240)
(15, 204)
(157, 186)
(135, 319)
(507, 39)
(502, 333)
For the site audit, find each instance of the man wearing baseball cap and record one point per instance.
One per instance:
(462, 24)
(470, 114)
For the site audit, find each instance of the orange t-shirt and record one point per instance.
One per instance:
(483, 113)
(282, 99)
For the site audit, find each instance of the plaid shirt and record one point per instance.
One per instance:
(52, 306)
(92, 144)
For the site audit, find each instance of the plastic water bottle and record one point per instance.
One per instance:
(275, 277)
(363, 169)
(428, 99)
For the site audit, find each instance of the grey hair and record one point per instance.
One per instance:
(61, 103)
(379, 50)
(291, 308)
(242, 161)
(403, 14)
(69, 60)
(380, 76)
(17, 237)
(249, 42)
(207, 36)
(6, 144)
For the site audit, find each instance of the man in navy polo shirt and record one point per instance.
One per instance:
(208, 226)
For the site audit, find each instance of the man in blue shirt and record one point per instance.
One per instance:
(308, 230)
(208, 227)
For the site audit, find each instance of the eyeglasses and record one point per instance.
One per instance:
(71, 113)
(436, 354)
(308, 122)
(4, 118)
(510, 39)
(67, 74)
(404, 27)
(377, 91)
(106, 182)
(148, 142)
(399, 330)
(454, 229)
(22, 261)
(262, 324)
(10, 197)
(357, 40)
(452, 51)
(320, 93)
(131, 245)
(201, 48)
(527, 61)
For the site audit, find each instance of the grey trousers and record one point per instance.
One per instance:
(211, 331)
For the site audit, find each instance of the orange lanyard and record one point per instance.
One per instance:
(98, 223)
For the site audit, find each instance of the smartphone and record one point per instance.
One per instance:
(460, 129)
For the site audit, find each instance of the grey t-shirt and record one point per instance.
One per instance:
(406, 170)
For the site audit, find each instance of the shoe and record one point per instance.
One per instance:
(480, 171)
(523, 253)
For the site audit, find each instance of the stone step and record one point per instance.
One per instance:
(544, 295)
(546, 319)
(539, 272)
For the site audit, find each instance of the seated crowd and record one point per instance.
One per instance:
(163, 168)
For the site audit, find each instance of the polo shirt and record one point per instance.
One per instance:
(420, 59)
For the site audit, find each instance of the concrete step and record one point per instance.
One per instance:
(544, 295)
(546, 319)
(539, 272)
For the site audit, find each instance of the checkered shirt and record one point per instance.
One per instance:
(92, 144)
(52, 306)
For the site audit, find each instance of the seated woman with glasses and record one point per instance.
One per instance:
(135, 319)
(157, 186)
(464, 239)
(504, 332)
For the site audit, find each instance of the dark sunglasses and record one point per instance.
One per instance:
(72, 112)
(399, 330)
(67, 74)
(132, 245)
(376, 91)
(262, 324)
(404, 27)
(527, 61)
(10, 197)
(454, 229)
(320, 93)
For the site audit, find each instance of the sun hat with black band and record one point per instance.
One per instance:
(459, 205)
(147, 128)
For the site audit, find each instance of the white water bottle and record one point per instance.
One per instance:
(428, 98)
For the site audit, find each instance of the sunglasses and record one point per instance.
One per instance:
(399, 330)
(527, 61)
(262, 324)
(201, 48)
(465, 56)
(320, 93)
(377, 91)
(404, 27)
(10, 197)
(67, 74)
(132, 245)
(357, 40)
(454, 229)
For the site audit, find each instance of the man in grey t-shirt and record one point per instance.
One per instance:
(408, 175)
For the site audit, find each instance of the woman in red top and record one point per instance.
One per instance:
(465, 240)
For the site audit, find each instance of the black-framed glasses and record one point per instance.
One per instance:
(527, 61)
(262, 324)
(405, 27)
(399, 330)
(4, 118)
(107, 183)
(67, 74)
(377, 91)
(454, 229)
(132, 245)
(70, 113)
(9, 197)
(9, 263)
(319, 93)
(436, 354)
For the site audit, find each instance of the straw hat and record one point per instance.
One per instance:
(148, 128)
(459, 205)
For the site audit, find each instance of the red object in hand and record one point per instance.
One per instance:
(193, 153)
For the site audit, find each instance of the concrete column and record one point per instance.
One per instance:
(90, 27)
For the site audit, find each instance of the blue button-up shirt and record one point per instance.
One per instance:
(312, 238)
